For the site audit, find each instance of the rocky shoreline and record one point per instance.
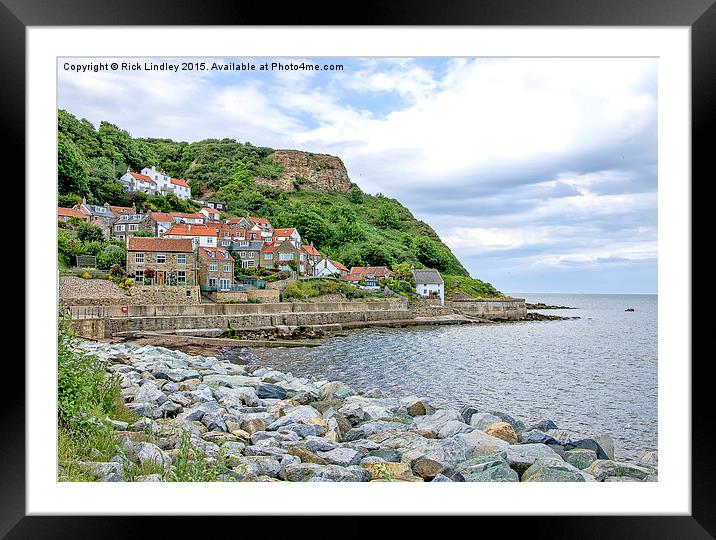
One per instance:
(252, 423)
(541, 305)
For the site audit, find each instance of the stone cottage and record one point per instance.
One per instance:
(161, 261)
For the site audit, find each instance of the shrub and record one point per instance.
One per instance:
(111, 255)
(87, 275)
(85, 391)
(86, 232)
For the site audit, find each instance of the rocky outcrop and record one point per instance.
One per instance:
(309, 172)
(253, 423)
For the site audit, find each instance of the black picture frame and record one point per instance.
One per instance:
(699, 15)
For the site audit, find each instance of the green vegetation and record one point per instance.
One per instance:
(86, 239)
(468, 286)
(354, 228)
(86, 394)
(300, 290)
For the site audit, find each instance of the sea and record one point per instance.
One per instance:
(595, 374)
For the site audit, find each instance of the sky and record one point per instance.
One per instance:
(539, 173)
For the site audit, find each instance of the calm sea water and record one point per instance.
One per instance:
(595, 374)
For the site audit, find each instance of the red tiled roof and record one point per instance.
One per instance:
(186, 215)
(339, 266)
(141, 243)
(311, 250)
(284, 232)
(217, 251)
(160, 216)
(179, 182)
(234, 220)
(69, 212)
(363, 271)
(351, 278)
(189, 229)
(211, 210)
(120, 210)
(142, 177)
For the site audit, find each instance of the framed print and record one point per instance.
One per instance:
(431, 246)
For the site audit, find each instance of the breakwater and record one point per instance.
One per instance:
(99, 322)
(255, 423)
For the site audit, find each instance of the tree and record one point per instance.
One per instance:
(387, 217)
(71, 172)
(86, 232)
(404, 272)
(356, 195)
(376, 255)
(111, 255)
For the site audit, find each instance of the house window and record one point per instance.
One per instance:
(212, 267)
(119, 227)
(139, 276)
(268, 256)
(212, 282)
(161, 258)
(181, 258)
(285, 256)
(225, 284)
(139, 257)
(227, 268)
(248, 264)
(133, 226)
(181, 276)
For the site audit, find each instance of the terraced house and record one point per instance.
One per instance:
(132, 224)
(161, 261)
(284, 256)
(216, 268)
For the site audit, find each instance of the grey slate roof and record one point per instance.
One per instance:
(427, 276)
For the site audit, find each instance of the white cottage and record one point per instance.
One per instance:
(429, 284)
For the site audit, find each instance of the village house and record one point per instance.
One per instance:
(211, 214)
(220, 206)
(139, 182)
(327, 267)
(429, 284)
(161, 261)
(248, 251)
(200, 234)
(216, 268)
(290, 234)
(367, 277)
(100, 216)
(194, 218)
(162, 222)
(65, 214)
(280, 254)
(312, 258)
(122, 210)
(131, 224)
(155, 182)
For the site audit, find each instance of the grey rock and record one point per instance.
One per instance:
(156, 477)
(232, 381)
(319, 444)
(366, 429)
(521, 456)
(266, 390)
(545, 472)
(304, 430)
(151, 453)
(535, 436)
(467, 412)
(372, 459)
(580, 457)
(146, 425)
(117, 424)
(648, 458)
(386, 455)
(114, 477)
(258, 465)
(436, 421)
(453, 427)
(620, 479)
(214, 421)
(441, 478)
(342, 456)
(603, 468)
(501, 472)
(170, 409)
(335, 390)
(148, 410)
(602, 444)
(333, 473)
(483, 420)
(149, 393)
(99, 469)
(265, 450)
(543, 425)
(276, 436)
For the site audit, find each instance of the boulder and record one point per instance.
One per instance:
(517, 425)
(151, 453)
(453, 427)
(149, 393)
(258, 465)
(550, 471)
(535, 436)
(416, 408)
(306, 456)
(318, 444)
(253, 425)
(271, 391)
(504, 431)
(366, 429)
(543, 425)
(335, 390)
(521, 456)
(389, 471)
(300, 414)
(648, 458)
(580, 457)
(427, 468)
(436, 421)
(441, 478)
(467, 413)
(386, 455)
(602, 444)
(500, 472)
(482, 420)
(304, 472)
(214, 421)
(603, 468)
(342, 456)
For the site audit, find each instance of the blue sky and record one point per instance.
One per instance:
(539, 173)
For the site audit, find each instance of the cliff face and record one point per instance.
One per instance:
(308, 171)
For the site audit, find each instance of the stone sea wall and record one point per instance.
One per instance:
(254, 423)
(77, 291)
(507, 309)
